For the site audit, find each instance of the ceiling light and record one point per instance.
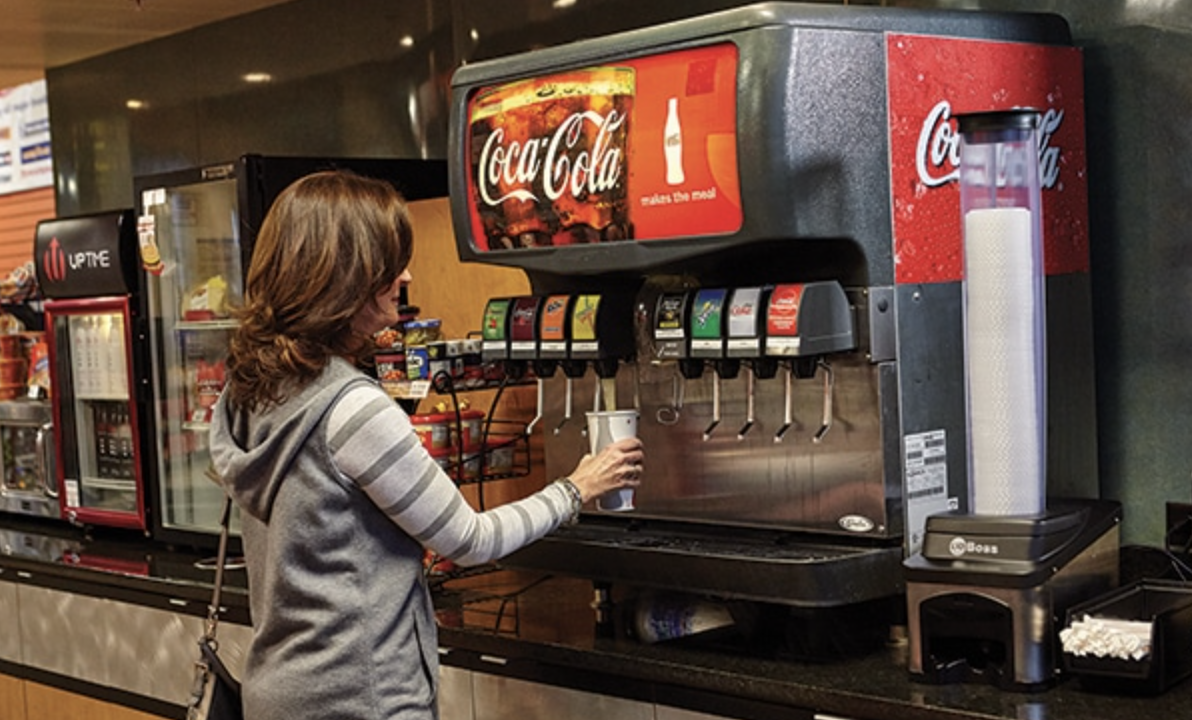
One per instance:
(407, 41)
(256, 77)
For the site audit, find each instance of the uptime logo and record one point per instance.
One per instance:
(53, 262)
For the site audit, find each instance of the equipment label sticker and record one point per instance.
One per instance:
(925, 457)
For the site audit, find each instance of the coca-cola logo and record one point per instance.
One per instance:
(557, 164)
(53, 261)
(937, 154)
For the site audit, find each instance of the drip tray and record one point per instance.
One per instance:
(771, 566)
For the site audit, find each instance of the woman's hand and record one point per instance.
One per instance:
(618, 465)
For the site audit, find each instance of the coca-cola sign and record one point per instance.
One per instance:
(643, 149)
(931, 80)
(937, 155)
(559, 164)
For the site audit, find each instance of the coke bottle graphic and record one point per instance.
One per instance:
(672, 144)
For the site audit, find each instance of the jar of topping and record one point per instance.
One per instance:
(434, 430)
(499, 456)
(471, 423)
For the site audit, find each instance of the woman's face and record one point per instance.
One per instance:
(382, 312)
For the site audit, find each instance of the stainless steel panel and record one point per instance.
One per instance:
(502, 698)
(754, 480)
(10, 622)
(133, 648)
(455, 694)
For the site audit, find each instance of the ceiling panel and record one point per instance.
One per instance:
(39, 34)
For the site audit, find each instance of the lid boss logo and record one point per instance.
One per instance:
(561, 161)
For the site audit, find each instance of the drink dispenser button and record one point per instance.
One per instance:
(744, 323)
(670, 326)
(585, 343)
(808, 320)
(707, 326)
(495, 330)
(523, 328)
(553, 327)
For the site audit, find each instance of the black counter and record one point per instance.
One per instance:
(543, 628)
(547, 631)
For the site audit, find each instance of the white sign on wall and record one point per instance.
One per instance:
(25, 158)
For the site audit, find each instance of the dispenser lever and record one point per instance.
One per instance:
(715, 406)
(787, 416)
(669, 415)
(566, 405)
(749, 380)
(538, 411)
(829, 386)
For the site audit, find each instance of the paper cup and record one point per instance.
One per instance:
(605, 428)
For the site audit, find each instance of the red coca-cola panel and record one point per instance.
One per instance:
(641, 149)
(933, 79)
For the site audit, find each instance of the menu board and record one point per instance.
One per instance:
(25, 158)
(642, 149)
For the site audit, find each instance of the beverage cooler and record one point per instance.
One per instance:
(745, 226)
(95, 329)
(196, 229)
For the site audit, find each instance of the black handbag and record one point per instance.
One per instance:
(215, 694)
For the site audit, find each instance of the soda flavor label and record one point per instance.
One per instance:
(782, 316)
(744, 313)
(583, 319)
(782, 320)
(523, 319)
(641, 150)
(554, 319)
(668, 317)
(707, 312)
(495, 315)
(930, 81)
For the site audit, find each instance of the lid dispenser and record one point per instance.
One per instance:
(1004, 312)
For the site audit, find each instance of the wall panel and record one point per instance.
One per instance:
(19, 215)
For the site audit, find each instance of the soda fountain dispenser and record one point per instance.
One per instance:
(815, 245)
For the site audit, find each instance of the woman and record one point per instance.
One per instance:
(339, 499)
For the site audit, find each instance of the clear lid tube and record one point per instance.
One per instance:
(1004, 313)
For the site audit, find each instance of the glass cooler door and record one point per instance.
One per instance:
(195, 230)
(100, 469)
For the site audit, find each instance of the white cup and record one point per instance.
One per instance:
(605, 428)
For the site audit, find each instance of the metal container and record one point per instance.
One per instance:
(28, 483)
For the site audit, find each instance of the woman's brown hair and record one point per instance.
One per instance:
(329, 244)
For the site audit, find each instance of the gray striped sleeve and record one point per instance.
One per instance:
(374, 445)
